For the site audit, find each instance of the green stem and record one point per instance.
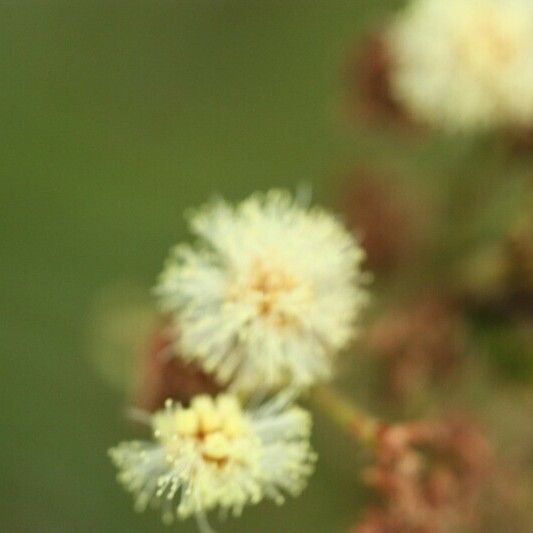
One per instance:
(358, 423)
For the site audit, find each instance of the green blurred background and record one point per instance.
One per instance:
(117, 115)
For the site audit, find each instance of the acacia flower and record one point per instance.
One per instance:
(214, 454)
(269, 293)
(430, 476)
(464, 64)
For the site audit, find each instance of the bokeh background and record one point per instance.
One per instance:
(119, 115)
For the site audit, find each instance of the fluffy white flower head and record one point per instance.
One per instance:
(215, 455)
(465, 64)
(269, 293)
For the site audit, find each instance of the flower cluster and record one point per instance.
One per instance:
(258, 307)
(464, 64)
(430, 476)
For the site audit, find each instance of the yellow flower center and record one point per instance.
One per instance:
(272, 291)
(212, 426)
(268, 285)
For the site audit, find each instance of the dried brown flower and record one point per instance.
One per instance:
(429, 476)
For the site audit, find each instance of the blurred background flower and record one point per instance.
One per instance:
(464, 64)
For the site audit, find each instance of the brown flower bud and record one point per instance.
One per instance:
(164, 375)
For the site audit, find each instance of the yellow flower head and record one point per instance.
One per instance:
(269, 293)
(214, 454)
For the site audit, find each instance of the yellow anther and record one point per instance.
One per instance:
(216, 446)
(187, 422)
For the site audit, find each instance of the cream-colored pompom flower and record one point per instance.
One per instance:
(269, 293)
(465, 64)
(215, 455)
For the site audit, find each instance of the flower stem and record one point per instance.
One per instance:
(359, 424)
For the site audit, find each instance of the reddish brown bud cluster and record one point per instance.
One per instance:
(419, 343)
(429, 476)
(164, 375)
